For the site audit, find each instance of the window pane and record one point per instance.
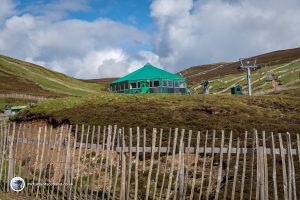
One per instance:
(151, 83)
(165, 83)
(176, 84)
(139, 84)
(156, 83)
(133, 85)
(170, 83)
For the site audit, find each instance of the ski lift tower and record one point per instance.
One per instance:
(246, 64)
(205, 85)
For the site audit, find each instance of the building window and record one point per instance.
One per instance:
(170, 84)
(133, 85)
(165, 83)
(125, 86)
(138, 84)
(155, 83)
(176, 84)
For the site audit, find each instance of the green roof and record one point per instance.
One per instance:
(148, 72)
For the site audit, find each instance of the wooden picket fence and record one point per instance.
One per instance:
(93, 162)
(24, 96)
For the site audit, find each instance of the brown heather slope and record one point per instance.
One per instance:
(206, 72)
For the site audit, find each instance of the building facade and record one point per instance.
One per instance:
(149, 79)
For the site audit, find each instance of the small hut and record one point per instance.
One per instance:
(237, 90)
(149, 79)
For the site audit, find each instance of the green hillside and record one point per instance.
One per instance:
(287, 75)
(22, 77)
(198, 112)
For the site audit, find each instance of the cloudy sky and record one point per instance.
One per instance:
(100, 38)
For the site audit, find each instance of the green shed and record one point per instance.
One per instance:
(149, 79)
(237, 90)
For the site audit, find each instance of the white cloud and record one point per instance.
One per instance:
(199, 32)
(79, 48)
(189, 32)
(7, 9)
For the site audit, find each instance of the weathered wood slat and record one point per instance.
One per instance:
(166, 165)
(228, 165)
(73, 163)
(62, 162)
(47, 160)
(144, 150)
(257, 165)
(84, 160)
(274, 175)
(57, 159)
(172, 165)
(179, 166)
(244, 168)
(87, 187)
(151, 163)
(203, 166)
(36, 159)
(283, 167)
(101, 159)
(16, 151)
(211, 166)
(78, 162)
(123, 172)
(117, 168)
(129, 165)
(10, 152)
(107, 160)
(291, 168)
(298, 146)
(111, 162)
(195, 167)
(41, 162)
(236, 169)
(51, 162)
(220, 170)
(265, 161)
(187, 166)
(252, 168)
(136, 174)
(158, 165)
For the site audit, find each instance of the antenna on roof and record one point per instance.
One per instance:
(147, 63)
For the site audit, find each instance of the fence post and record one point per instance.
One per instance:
(195, 167)
(136, 175)
(244, 166)
(265, 165)
(11, 158)
(166, 164)
(204, 165)
(236, 168)
(282, 154)
(151, 162)
(158, 164)
(220, 168)
(211, 165)
(172, 165)
(129, 164)
(123, 173)
(274, 168)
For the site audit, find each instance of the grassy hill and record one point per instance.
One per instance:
(197, 112)
(284, 65)
(17, 76)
